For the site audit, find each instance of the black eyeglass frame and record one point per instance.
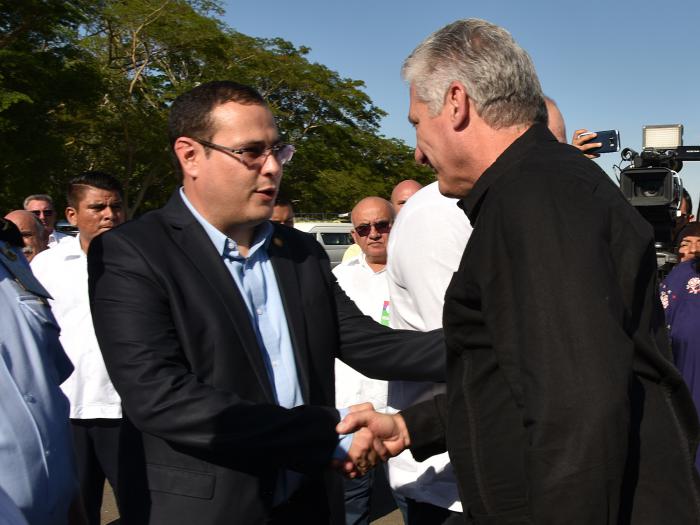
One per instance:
(382, 227)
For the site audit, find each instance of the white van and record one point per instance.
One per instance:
(333, 236)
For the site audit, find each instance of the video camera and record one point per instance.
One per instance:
(652, 185)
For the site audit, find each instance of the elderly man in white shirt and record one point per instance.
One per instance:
(363, 278)
(426, 246)
(41, 205)
(94, 206)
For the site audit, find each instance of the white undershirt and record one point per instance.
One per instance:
(425, 248)
(368, 289)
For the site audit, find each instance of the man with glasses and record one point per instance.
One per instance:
(42, 206)
(219, 330)
(363, 279)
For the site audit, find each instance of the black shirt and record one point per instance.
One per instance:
(562, 403)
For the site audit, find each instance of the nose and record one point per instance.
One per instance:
(110, 213)
(420, 156)
(374, 233)
(271, 166)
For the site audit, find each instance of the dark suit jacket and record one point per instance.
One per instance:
(204, 439)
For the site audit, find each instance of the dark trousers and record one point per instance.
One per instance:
(420, 513)
(96, 444)
(358, 492)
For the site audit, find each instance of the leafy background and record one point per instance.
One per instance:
(87, 85)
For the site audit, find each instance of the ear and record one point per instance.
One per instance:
(188, 153)
(72, 215)
(457, 103)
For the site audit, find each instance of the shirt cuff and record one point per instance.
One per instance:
(344, 440)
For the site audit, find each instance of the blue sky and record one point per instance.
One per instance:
(609, 65)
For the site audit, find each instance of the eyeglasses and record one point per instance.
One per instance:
(254, 155)
(46, 213)
(363, 230)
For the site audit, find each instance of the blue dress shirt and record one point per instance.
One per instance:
(256, 280)
(257, 283)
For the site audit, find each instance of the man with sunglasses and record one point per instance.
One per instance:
(363, 279)
(219, 330)
(41, 205)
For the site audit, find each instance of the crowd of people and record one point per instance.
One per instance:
(497, 337)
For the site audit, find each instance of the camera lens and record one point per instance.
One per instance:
(649, 188)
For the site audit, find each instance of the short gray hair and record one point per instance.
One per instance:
(498, 74)
(37, 197)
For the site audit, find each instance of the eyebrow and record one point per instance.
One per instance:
(254, 143)
(103, 205)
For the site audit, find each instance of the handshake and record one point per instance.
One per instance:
(376, 437)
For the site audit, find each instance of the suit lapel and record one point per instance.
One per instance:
(288, 283)
(196, 246)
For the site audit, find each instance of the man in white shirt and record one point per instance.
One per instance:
(426, 246)
(94, 206)
(363, 278)
(41, 205)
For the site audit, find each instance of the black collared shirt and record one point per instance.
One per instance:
(556, 347)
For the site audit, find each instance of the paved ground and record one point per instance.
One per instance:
(109, 508)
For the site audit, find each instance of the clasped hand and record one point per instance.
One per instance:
(376, 437)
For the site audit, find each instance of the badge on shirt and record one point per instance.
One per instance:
(20, 270)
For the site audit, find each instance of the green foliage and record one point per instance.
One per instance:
(46, 82)
(87, 85)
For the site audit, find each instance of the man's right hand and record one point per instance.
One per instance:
(387, 437)
(585, 143)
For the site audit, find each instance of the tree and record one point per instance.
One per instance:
(46, 83)
(108, 72)
(340, 155)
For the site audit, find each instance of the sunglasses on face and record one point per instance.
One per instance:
(47, 213)
(363, 230)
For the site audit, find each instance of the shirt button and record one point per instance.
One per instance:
(259, 311)
(231, 245)
(29, 398)
(47, 452)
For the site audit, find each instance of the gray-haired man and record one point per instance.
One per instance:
(562, 404)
